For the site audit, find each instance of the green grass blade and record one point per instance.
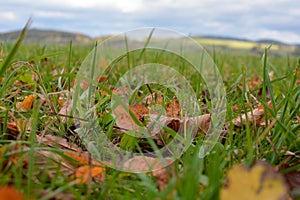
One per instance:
(13, 52)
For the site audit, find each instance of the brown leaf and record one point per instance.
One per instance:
(153, 99)
(138, 110)
(173, 109)
(124, 120)
(144, 164)
(259, 182)
(253, 117)
(66, 110)
(56, 141)
(65, 167)
(292, 177)
(254, 83)
(203, 122)
(10, 193)
(64, 195)
(26, 104)
(171, 122)
(164, 175)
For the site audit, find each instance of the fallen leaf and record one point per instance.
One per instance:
(157, 123)
(13, 158)
(26, 104)
(82, 173)
(56, 141)
(153, 166)
(19, 125)
(125, 121)
(64, 195)
(138, 110)
(254, 83)
(12, 126)
(292, 178)
(16, 157)
(163, 175)
(142, 164)
(82, 158)
(66, 110)
(102, 79)
(173, 109)
(23, 125)
(153, 99)
(65, 167)
(259, 182)
(256, 116)
(203, 122)
(10, 193)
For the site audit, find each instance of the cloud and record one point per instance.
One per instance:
(10, 16)
(252, 19)
(53, 14)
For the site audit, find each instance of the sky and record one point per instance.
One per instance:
(245, 19)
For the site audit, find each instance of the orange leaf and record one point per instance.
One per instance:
(102, 79)
(82, 159)
(26, 104)
(82, 173)
(12, 126)
(8, 192)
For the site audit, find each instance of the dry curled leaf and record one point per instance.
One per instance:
(10, 193)
(26, 104)
(56, 141)
(256, 116)
(261, 182)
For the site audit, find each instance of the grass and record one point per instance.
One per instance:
(43, 178)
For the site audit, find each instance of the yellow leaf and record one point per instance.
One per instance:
(261, 182)
(26, 104)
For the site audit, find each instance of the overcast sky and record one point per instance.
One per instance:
(249, 19)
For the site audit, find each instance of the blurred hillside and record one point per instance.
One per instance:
(212, 43)
(36, 36)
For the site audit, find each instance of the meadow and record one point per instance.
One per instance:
(43, 157)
